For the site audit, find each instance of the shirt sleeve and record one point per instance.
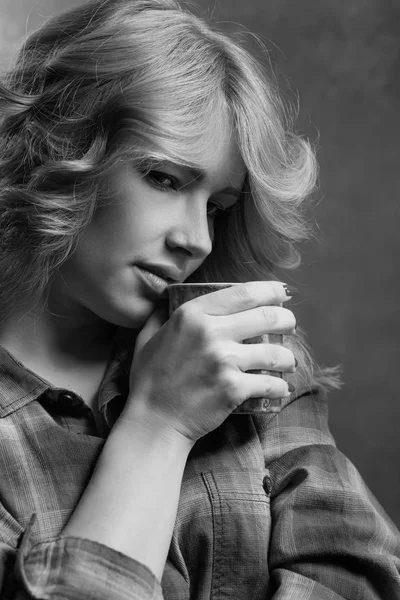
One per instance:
(70, 568)
(330, 539)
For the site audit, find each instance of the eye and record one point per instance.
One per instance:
(162, 181)
(214, 210)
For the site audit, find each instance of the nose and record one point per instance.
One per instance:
(192, 232)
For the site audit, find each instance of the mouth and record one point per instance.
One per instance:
(155, 279)
(160, 273)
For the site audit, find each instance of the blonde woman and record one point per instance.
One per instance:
(140, 146)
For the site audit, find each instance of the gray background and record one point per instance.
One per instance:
(342, 57)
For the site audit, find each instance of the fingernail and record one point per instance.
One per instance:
(291, 388)
(290, 290)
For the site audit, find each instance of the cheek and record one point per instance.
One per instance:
(111, 236)
(98, 253)
(110, 226)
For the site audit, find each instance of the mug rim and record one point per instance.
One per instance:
(219, 283)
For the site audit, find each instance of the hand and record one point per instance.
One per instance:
(190, 372)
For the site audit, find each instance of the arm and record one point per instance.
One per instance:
(133, 495)
(131, 501)
(67, 567)
(126, 514)
(330, 538)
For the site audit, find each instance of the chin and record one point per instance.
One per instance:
(129, 322)
(132, 315)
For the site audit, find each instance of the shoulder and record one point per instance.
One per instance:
(302, 421)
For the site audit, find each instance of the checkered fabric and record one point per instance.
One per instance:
(269, 508)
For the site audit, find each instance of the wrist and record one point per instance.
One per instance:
(139, 425)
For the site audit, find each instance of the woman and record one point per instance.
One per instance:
(139, 147)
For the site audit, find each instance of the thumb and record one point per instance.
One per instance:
(155, 321)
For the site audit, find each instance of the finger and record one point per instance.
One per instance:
(269, 357)
(243, 296)
(257, 321)
(152, 325)
(258, 385)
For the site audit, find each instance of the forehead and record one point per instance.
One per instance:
(218, 157)
(204, 142)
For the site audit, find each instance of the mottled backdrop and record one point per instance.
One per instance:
(343, 59)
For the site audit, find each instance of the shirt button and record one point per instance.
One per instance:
(68, 400)
(267, 485)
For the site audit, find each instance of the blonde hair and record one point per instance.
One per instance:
(141, 80)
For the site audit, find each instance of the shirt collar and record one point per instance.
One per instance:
(19, 385)
(114, 388)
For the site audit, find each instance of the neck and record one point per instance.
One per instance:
(69, 350)
(56, 334)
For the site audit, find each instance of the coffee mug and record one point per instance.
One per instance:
(179, 293)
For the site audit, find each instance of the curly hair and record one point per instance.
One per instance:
(141, 80)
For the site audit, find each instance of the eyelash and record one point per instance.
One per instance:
(154, 179)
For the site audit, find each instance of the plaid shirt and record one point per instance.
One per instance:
(269, 508)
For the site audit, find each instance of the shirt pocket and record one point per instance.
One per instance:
(241, 516)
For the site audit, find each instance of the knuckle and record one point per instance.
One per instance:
(229, 384)
(245, 293)
(269, 316)
(269, 386)
(187, 316)
(275, 387)
(273, 356)
(222, 355)
(277, 287)
(183, 312)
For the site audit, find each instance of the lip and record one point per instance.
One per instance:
(156, 279)
(154, 283)
(168, 273)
